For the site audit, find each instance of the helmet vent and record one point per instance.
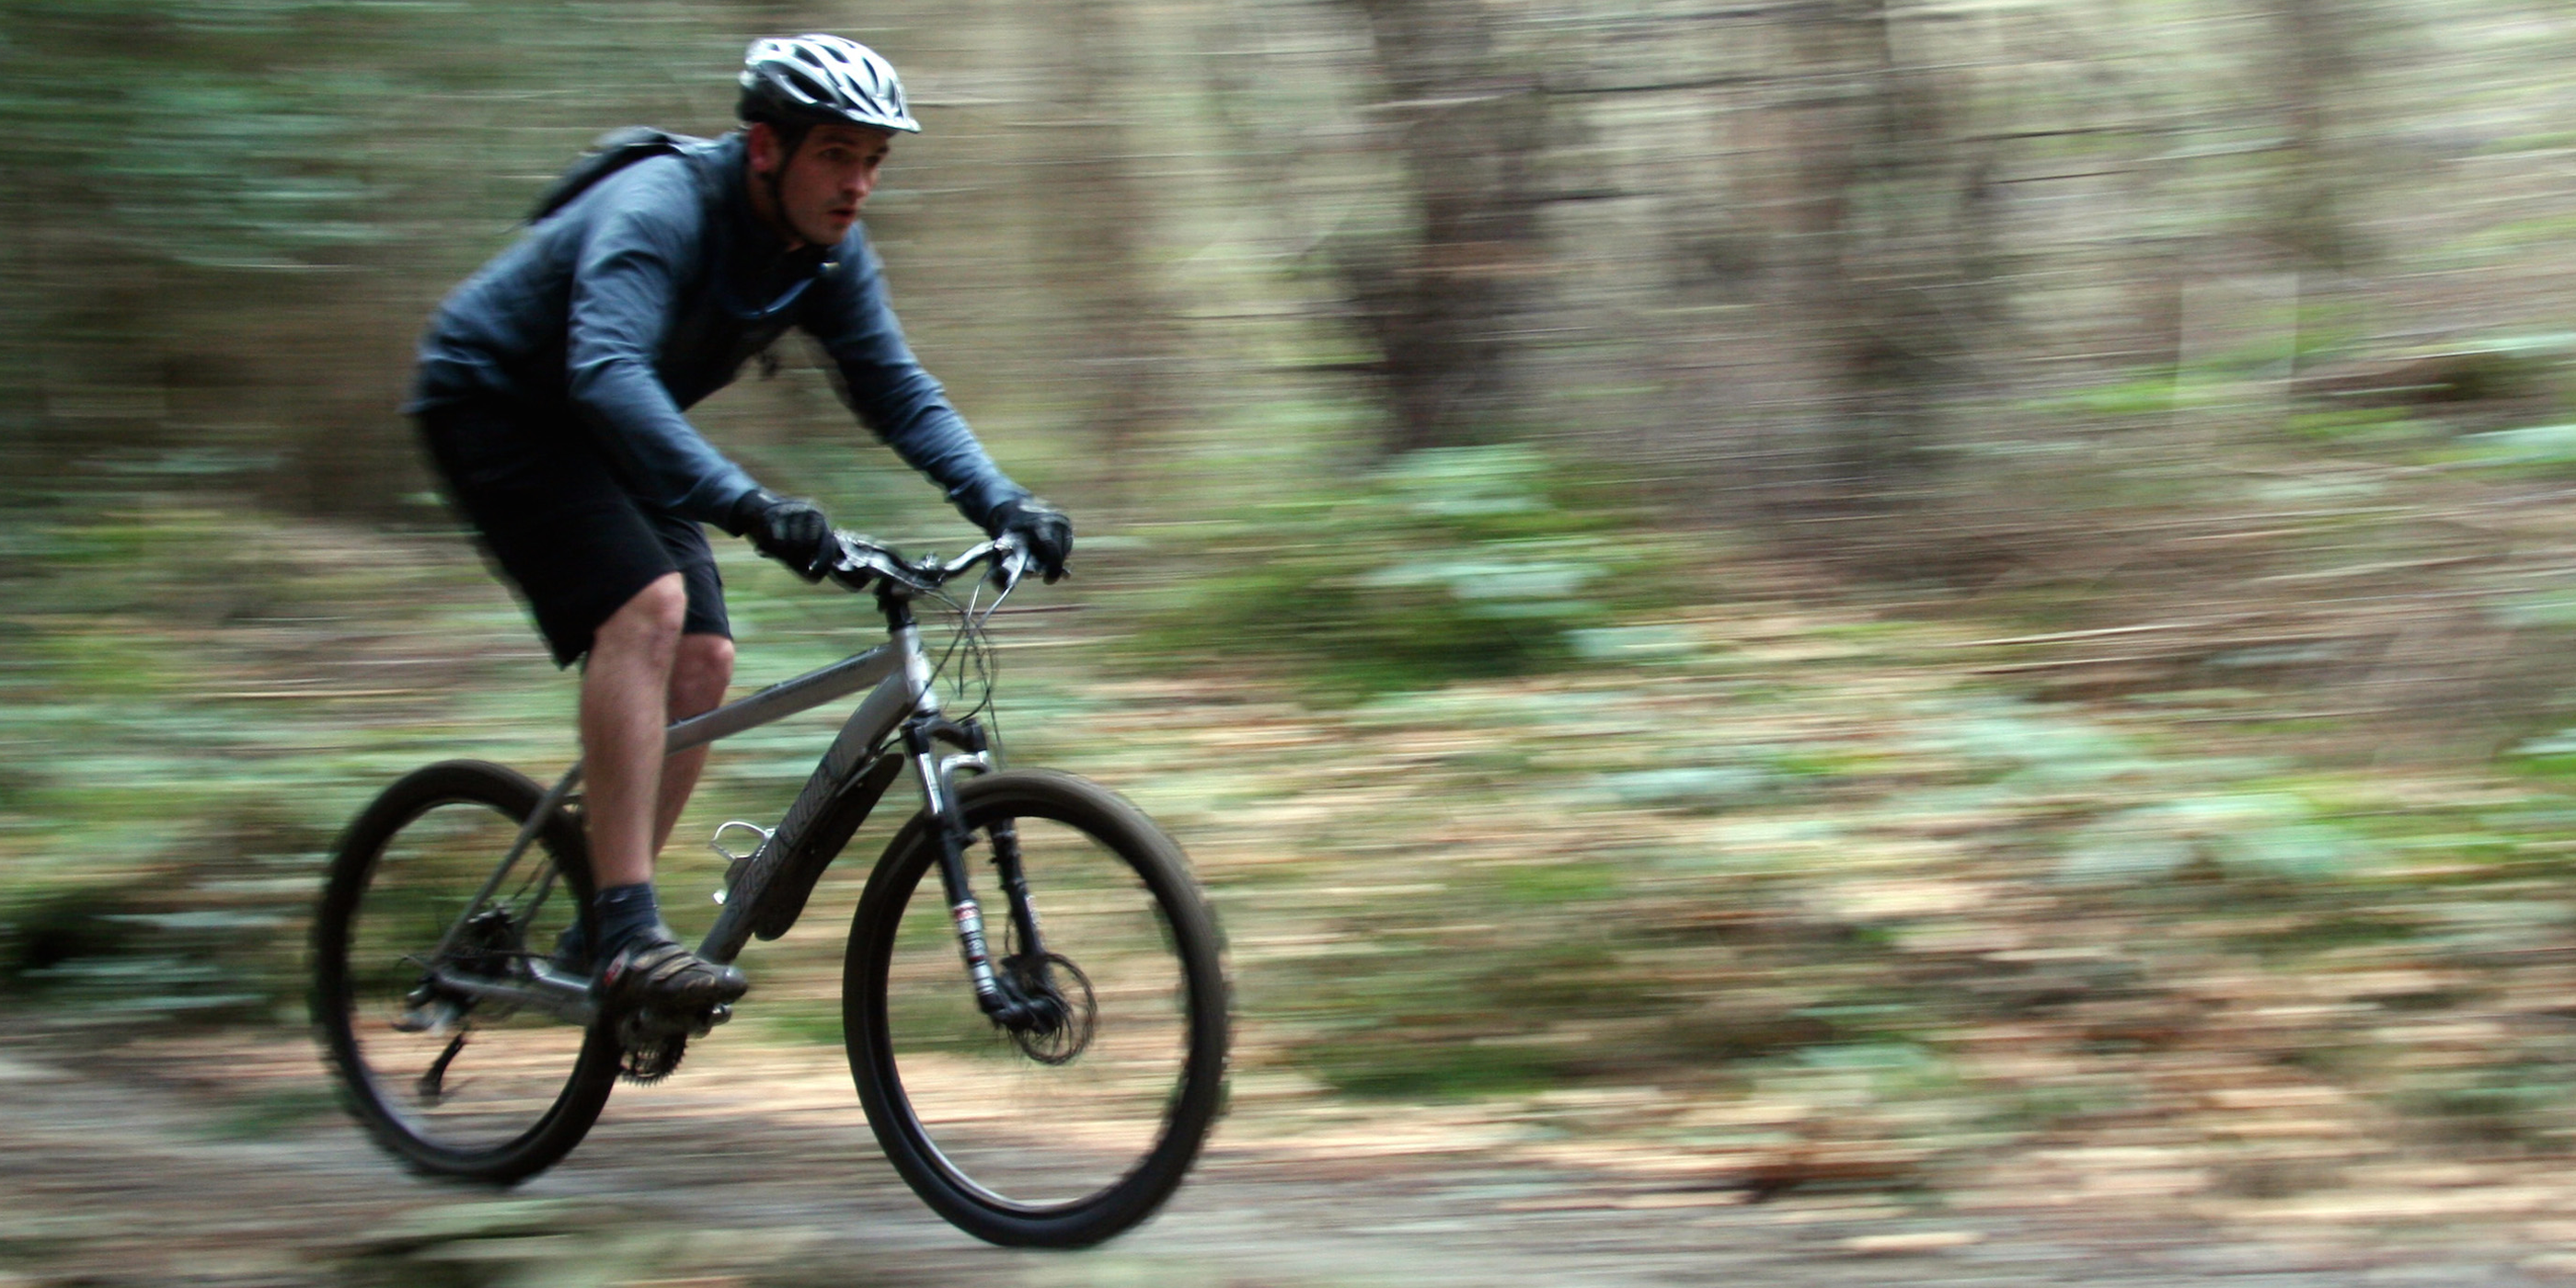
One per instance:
(822, 80)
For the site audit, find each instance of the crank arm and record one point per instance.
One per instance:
(565, 997)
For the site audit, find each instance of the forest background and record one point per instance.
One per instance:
(1934, 596)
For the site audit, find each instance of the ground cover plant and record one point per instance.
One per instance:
(1800, 881)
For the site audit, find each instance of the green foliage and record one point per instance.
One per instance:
(2355, 426)
(2153, 395)
(1445, 564)
(2551, 755)
(2518, 1102)
(2243, 833)
(1776, 862)
(265, 1115)
(230, 216)
(194, 149)
(252, 134)
(158, 855)
(1432, 1065)
(1695, 787)
(2539, 449)
(112, 953)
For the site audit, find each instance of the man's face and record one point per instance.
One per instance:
(827, 179)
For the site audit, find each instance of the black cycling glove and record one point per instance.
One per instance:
(1041, 528)
(790, 530)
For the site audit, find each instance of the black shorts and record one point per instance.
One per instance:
(556, 524)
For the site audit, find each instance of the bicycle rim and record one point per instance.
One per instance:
(457, 1085)
(1056, 1141)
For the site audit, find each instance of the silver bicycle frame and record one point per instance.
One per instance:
(902, 676)
(901, 673)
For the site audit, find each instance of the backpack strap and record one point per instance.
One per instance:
(614, 151)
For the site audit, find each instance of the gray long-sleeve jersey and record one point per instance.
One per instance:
(646, 293)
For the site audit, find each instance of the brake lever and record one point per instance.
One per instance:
(862, 561)
(1005, 564)
(1006, 571)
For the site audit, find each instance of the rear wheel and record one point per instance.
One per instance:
(1066, 1133)
(455, 1082)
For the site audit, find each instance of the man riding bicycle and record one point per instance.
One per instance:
(550, 397)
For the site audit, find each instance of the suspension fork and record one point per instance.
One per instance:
(1000, 998)
(999, 992)
(996, 996)
(1015, 888)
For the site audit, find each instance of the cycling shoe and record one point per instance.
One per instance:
(659, 975)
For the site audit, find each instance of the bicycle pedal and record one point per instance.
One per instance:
(711, 1017)
(648, 1025)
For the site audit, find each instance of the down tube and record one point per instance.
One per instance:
(885, 708)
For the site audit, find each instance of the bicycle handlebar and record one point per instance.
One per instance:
(863, 564)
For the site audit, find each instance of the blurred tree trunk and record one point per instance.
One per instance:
(1890, 231)
(1443, 306)
(2316, 62)
(1128, 342)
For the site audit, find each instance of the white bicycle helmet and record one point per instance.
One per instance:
(806, 80)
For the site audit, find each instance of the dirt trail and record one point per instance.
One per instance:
(218, 1163)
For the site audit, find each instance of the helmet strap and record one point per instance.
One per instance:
(790, 141)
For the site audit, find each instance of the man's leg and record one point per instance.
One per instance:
(699, 673)
(625, 701)
(598, 573)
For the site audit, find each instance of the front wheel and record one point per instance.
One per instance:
(421, 977)
(1069, 1134)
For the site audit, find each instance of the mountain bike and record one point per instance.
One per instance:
(1037, 1080)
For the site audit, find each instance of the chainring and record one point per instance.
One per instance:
(655, 1058)
(651, 1043)
(650, 1049)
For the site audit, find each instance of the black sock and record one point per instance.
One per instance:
(625, 912)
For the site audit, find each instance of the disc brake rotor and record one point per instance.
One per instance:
(1059, 981)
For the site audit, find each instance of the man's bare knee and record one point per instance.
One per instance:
(700, 673)
(650, 620)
